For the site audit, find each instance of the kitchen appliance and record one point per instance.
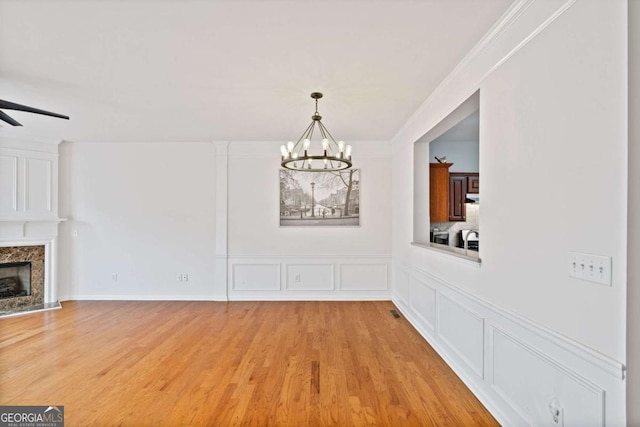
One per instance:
(440, 237)
(473, 241)
(472, 198)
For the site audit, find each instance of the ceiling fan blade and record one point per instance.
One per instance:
(8, 119)
(13, 106)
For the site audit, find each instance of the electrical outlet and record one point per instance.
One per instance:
(593, 268)
(114, 277)
(557, 412)
(183, 277)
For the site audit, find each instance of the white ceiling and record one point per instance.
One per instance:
(170, 70)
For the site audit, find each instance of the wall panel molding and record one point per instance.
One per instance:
(543, 377)
(462, 330)
(372, 276)
(8, 184)
(29, 188)
(312, 277)
(221, 161)
(255, 277)
(38, 183)
(422, 299)
(514, 366)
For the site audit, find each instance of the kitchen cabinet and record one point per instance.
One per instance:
(473, 183)
(457, 193)
(448, 190)
(439, 191)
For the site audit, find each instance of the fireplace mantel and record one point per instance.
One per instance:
(29, 228)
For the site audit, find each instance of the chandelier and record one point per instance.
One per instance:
(335, 156)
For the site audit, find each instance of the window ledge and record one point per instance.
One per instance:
(456, 253)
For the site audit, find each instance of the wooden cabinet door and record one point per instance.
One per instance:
(473, 183)
(457, 192)
(439, 191)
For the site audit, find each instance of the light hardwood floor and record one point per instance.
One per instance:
(238, 363)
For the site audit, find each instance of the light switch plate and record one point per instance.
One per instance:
(593, 268)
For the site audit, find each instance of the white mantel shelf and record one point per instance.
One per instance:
(29, 228)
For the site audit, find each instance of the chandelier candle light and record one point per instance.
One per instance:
(335, 156)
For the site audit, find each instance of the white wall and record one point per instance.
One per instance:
(545, 114)
(147, 212)
(554, 119)
(143, 211)
(463, 154)
(633, 255)
(264, 257)
(552, 156)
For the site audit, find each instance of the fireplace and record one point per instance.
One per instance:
(28, 223)
(15, 279)
(22, 277)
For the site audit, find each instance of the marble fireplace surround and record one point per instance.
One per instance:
(35, 255)
(43, 294)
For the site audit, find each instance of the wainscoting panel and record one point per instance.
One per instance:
(516, 368)
(463, 331)
(312, 277)
(364, 277)
(527, 379)
(256, 277)
(401, 285)
(423, 301)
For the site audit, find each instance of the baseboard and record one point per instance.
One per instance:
(146, 298)
(283, 296)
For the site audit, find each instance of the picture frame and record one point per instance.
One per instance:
(315, 199)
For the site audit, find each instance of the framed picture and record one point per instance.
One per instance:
(320, 198)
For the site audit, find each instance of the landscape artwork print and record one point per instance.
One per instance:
(320, 198)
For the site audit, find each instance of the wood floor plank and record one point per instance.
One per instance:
(238, 363)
